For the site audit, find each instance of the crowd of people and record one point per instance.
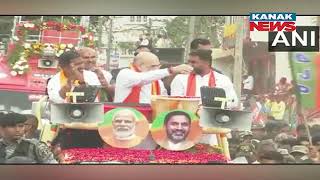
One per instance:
(274, 139)
(274, 142)
(277, 134)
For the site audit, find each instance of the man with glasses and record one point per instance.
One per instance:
(142, 79)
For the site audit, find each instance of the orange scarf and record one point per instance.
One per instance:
(134, 95)
(64, 81)
(191, 86)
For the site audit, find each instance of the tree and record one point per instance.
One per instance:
(210, 27)
(177, 30)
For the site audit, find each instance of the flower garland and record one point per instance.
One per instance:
(18, 59)
(141, 156)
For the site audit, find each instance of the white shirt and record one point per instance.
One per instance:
(107, 75)
(175, 146)
(128, 78)
(248, 83)
(180, 83)
(54, 85)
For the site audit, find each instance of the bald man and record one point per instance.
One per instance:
(89, 56)
(142, 79)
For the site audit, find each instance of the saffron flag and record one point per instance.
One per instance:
(305, 68)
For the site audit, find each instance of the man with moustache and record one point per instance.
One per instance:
(177, 125)
(89, 56)
(203, 75)
(201, 43)
(72, 74)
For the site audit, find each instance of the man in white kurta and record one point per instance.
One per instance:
(141, 78)
(54, 85)
(72, 73)
(180, 83)
(203, 75)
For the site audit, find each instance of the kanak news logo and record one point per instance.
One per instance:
(283, 34)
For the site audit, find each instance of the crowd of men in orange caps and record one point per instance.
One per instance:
(271, 141)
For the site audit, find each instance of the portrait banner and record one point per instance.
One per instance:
(176, 130)
(123, 128)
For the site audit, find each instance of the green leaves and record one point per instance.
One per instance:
(209, 27)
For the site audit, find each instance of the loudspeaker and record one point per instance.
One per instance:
(170, 55)
(76, 112)
(47, 63)
(224, 118)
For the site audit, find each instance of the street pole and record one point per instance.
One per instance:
(109, 44)
(238, 58)
(100, 32)
(191, 36)
(150, 27)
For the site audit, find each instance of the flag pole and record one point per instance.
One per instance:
(300, 114)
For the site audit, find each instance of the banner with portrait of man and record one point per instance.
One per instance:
(123, 128)
(176, 130)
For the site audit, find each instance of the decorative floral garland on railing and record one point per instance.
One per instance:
(200, 154)
(18, 59)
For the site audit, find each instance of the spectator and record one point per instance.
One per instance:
(301, 130)
(282, 86)
(316, 140)
(314, 154)
(248, 83)
(267, 153)
(303, 140)
(13, 145)
(31, 126)
(278, 108)
(272, 128)
(300, 153)
(258, 131)
(246, 148)
(287, 158)
(285, 128)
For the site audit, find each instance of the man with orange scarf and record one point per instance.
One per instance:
(72, 74)
(203, 75)
(142, 79)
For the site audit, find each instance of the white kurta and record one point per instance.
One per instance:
(179, 88)
(128, 78)
(54, 85)
(107, 75)
(180, 83)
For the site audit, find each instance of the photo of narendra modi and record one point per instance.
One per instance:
(176, 130)
(123, 128)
